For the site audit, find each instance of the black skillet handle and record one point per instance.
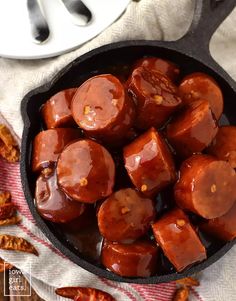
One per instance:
(208, 16)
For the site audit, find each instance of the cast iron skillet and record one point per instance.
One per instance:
(190, 52)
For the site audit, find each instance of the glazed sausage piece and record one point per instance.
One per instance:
(224, 145)
(84, 221)
(155, 96)
(206, 186)
(125, 216)
(102, 108)
(49, 144)
(138, 259)
(86, 171)
(149, 163)
(193, 129)
(56, 111)
(166, 67)
(202, 86)
(223, 227)
(52, 204)
(179, 241)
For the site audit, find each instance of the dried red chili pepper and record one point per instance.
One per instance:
(10, 221)
(7, 211)
(188, 281)
(5, 197)
(181, 294)
(9, 242)
(4, 266)
(84, 294)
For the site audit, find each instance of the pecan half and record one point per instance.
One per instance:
(9, 242)
(84, 294)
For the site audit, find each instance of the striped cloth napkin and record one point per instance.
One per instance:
(147, 19)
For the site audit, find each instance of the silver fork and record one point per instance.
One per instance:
(39, 26)
(80, 13)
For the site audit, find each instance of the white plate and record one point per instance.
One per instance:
(15, 35)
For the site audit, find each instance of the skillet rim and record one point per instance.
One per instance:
(175, 46)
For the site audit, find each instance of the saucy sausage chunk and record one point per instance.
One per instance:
(155, 95)
(166, 67)
(179, 241)
(193, 129)
(223, 145)
(138, 259)
(202, 86)
(52, 204)
(223, 227)
(102, 108)
(149, 162)
(206, 186)
(56, 111)
(49, 144)
(86, 171)
(125, 216)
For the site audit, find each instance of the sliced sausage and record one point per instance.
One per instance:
(138, 259)
(223, 227)
(82, 223)
(193, 129)
(131, 135)
(52, 204)
(155, 95)
(56, 111)
(149, 162)
(125, 216)
(206, 186)
(224, 145)
(86, 171)
(179, 241)
(49, 144)
(103, 109)
(199, 85)
(166, 67)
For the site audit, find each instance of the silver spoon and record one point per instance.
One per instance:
(80, 13)
(39, 27)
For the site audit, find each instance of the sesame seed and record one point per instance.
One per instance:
(114, 101)
(83, 182)
(125, 210)
(180, 222)
(144, 187)
(194, 94)
(213, 188)
(87, 110)
(47, 171)
(158, 99)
